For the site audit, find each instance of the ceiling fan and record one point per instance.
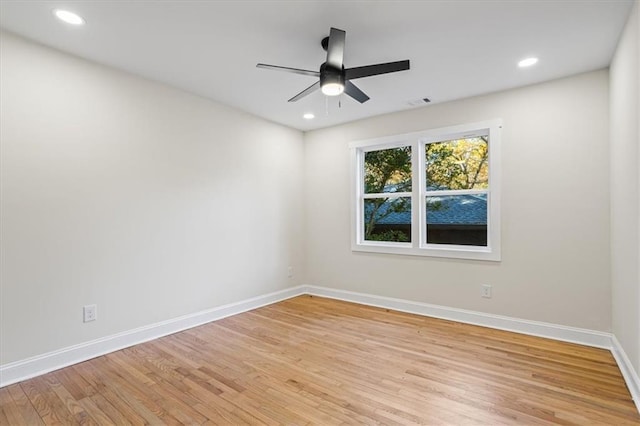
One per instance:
(334, 78)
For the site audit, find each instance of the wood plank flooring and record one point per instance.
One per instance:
(310, 360)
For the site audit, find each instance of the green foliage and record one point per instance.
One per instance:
(434, 205)
(458, 164)
(390, 235)
(387, 170)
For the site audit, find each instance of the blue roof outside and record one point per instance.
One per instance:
(448, 210)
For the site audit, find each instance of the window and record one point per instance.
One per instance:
(431, 193)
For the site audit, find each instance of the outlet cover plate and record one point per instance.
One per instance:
(486, 291)
(90, 313)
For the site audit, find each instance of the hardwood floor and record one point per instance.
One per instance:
(310, 360)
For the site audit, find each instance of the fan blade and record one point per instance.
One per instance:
(287, 69)
(369, 70)
(315, 86)
(335, 49)
(353, 91)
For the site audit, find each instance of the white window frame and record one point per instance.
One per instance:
(418, 141)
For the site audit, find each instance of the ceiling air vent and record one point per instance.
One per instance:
(419, 102)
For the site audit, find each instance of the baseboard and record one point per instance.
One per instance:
(535, 328)
(24, 369)
(628, 372)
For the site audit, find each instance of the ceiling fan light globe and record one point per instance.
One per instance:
(332, 89)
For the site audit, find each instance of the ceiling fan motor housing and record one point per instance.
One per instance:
(329, 75)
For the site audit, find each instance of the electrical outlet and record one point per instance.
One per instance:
(290, 271)
(486, 291)
(90, 312)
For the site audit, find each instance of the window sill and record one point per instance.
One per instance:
(450, 252)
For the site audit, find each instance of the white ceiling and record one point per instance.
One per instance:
(457, 48)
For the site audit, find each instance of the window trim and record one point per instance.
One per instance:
(418, 245)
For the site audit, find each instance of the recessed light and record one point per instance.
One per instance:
(68, 17)
(527, 62)
(308, 116)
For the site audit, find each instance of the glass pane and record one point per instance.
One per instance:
(387, 170)
(458, 164)
(457, 219)
(387, 219)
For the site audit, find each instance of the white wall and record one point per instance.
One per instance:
(147, 201)
(126, 193)
(555, 211)
(625, 189)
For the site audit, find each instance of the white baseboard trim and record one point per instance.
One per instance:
(535, 328)
(25, 369)
(628, 372)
